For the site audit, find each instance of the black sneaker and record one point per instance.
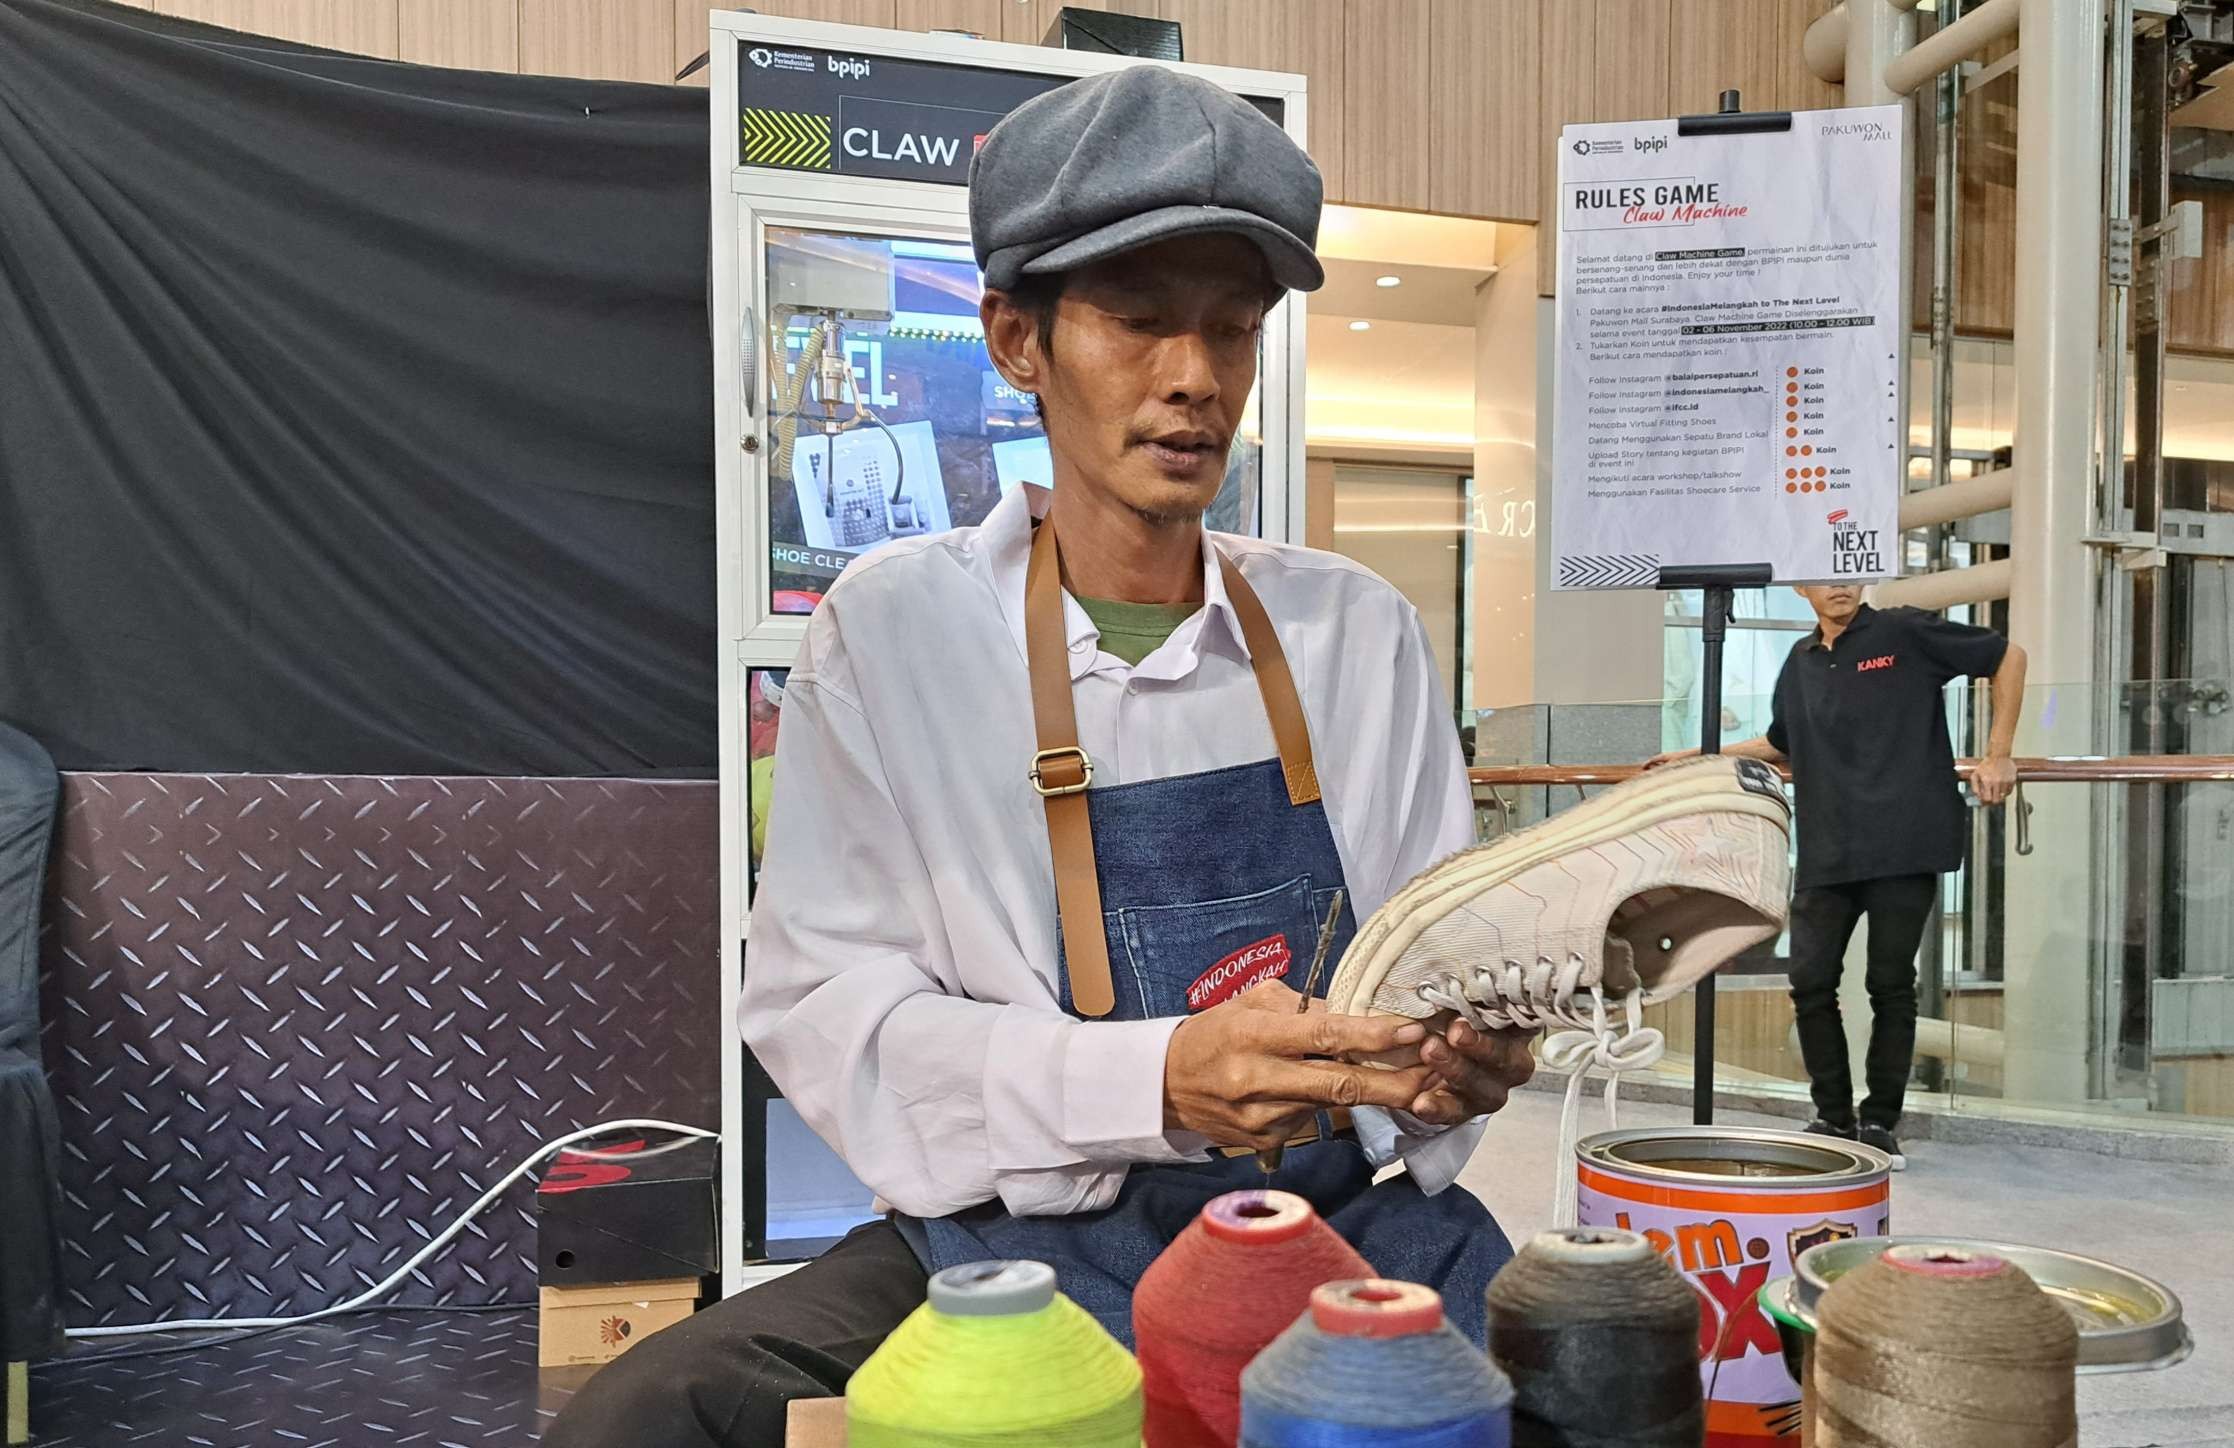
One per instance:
(1883, 1139)
(1820, 1127)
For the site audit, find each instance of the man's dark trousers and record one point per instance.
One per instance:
(1823, 921)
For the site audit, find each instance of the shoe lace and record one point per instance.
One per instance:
(1584, 1031)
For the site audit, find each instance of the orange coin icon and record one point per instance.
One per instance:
(1807, 450)
(1791, 432)
(1791, 371)
(1791, 452)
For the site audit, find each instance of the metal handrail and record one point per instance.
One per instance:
(2057, 769)
(2061, 769)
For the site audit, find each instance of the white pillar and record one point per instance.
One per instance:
(1505, 521)
(2052, 593)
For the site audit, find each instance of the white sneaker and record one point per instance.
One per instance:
(1625, 900)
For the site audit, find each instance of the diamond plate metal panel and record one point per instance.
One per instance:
(465, 1381)
(296, 1024)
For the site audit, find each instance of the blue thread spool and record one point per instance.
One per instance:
(1374, 1365)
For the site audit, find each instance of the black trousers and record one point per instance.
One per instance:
(1823, 920)
(728, 1375)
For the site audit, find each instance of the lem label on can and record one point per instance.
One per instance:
(1729, 1230)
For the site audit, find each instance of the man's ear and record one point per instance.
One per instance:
(1012, 341)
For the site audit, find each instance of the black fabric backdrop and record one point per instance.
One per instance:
(354, 416)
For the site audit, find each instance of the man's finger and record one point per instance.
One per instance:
(1442, 1107)
(1333, 1083)
(1504, 1055)
(1321, 1034)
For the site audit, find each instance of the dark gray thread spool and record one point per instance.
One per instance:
(1601, 1339)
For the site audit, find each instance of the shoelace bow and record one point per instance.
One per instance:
(1580, 1037)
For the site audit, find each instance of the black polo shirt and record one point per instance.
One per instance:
(1864, 723)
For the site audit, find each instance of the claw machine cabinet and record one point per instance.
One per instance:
(854, 406)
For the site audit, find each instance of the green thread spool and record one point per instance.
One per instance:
(996, 1358)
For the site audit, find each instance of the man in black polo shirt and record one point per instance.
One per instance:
(1860, 712)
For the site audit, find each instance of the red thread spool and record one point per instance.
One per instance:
(1238, 1277)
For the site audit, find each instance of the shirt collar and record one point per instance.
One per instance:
(1861, 619)
(1007, 532)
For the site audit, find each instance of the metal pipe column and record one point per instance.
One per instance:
(2052, 590)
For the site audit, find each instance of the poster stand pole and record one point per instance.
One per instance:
(1718, 583)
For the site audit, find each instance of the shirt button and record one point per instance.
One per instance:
(1081, 646)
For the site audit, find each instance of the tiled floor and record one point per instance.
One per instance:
(2170, 1222)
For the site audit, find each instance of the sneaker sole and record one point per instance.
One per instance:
(1678, 791)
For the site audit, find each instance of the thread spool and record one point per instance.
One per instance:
(996, 1358)
(1944, 1346)
(1235, 1279)
(1600, 1337)
(1373, 1364)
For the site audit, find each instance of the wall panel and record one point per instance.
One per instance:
(1797, 89)
(361, 27)
(979, 17)
(1386, 103)
(1724, 45)
(1603, 60)
(600, 39)
(1484, 87)
(465, 34)
(1304, 37)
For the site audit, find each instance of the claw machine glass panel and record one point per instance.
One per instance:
(855, 407)
(885, 418)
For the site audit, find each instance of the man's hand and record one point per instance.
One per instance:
(1250, 1071)
(1474, 1072)
(1670, 757)
(1994, 777)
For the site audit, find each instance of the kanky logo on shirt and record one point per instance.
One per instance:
(1254, 964)
(1882, 661)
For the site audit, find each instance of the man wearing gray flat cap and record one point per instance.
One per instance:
(1035, 955)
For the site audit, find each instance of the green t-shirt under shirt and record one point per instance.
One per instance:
(1133, 631)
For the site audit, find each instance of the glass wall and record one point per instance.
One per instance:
(2060, 1014)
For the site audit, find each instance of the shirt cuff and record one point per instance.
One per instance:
(1432, 1155)
(1113, 1093)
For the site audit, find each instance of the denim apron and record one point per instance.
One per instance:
(1211, 883)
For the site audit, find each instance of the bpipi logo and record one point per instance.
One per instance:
(1649, 145)
(851, 67)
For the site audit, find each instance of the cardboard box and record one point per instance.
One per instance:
(597, 1324)
(816, 1423)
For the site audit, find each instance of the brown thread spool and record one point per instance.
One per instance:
(1941, 1346)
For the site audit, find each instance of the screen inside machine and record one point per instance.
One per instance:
(886, 418)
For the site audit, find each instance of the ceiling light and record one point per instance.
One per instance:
(1388, 281)
(1361, 326)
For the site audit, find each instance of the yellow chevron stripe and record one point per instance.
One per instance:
(795, 139)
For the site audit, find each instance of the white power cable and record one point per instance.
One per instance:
(392, 1280)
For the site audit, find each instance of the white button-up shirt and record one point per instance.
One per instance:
(900, 973)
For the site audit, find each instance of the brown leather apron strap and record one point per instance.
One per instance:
(1061, 771)
(1275, 684)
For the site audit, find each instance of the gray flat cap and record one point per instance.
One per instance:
(1131, 157)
